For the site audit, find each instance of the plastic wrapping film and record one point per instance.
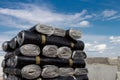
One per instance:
(50, 51)
(64, 52)
(73, 35)
(30, 50)
(50, 71)
(31, 71)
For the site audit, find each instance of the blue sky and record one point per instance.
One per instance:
(98, 20)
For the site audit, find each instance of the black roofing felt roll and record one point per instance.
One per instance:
(77, 54)
(9, 62)
(3, 64)
(13, 43)
(25, 50)
(60, 41)
(6, 46)
(10, 45)
(13, 71)
(13, 77)
(32, 29)
(5, 76)
(29, 72)
(73, 35)
(20, 61)
(10, 54)
(26, 37)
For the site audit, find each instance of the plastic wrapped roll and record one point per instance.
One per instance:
(12, 71)
(13, 43)
(81, 77)
(6, 46)
(44, 29)
(13, 77)
(20, 61)
(73, 34)
(16, 78)
(30, 50)
(79, 54)
(8, 62)
(29, 72)
(66, 71)
(26, 50)
(5, 76)
(81, 71)
(11, 54)
(3, 63)
(64, 52)
(59, 32)
(26, 37)
(50, 51)
(50, 71)
(9, 77)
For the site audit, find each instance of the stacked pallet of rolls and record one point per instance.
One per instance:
(45, 53)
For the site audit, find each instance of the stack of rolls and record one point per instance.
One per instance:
(45, 53)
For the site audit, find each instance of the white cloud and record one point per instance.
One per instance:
(96, 47)
(84, 23)
(115, 39)
(97, 44)
(114, 17)
(34, 14)
(109, 13)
